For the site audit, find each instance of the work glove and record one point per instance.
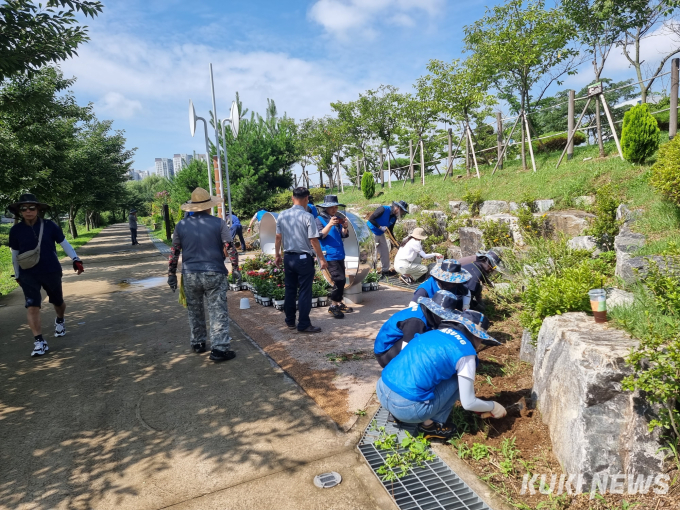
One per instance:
(383, 228)
(78, 266)
(498, 411)
(172, 282)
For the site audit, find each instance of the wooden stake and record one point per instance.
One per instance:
(472, 149)
(450, 161)
(410, 151)
(382, 172)
(422, 162)
(673, 119)
(455, 153)
(505, 146)
(531, 146)
(611, 124)
(570, 122)
(499, 137)
(467, 154)
(389, 168)
(571, 135)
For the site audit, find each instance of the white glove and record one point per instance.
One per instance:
(383, 228)
(498, 411)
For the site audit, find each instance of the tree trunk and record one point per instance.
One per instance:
(72, 221)
(598, 123)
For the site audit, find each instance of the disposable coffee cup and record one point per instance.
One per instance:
(598, 304)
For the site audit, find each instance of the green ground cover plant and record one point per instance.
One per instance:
(496, 233)
(605, 227)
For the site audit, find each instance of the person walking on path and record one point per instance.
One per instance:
(382, 219)
(296, 230)
(204, 241)
(256, 217)
(132, 221)
(408, 262)
(237, 230)
(332, 230)
(32, 242)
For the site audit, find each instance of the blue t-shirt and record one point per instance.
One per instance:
(260, 213)
(23, 238)
(426, 361)
(235, 222)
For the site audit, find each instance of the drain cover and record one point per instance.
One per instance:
(327, 480)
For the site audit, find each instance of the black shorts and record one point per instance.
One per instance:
(31, 284)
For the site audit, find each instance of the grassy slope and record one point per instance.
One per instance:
(7, 283)
(660, 221)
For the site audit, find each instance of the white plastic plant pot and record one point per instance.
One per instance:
(266, 301)
(374, 285)
(315, 302)
(278, 303)
(245, 303)
(268, 232)
(323, 301)
(365, 287)
(233, 287)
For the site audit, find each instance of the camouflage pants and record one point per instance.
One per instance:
(212, 287)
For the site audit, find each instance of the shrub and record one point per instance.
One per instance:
(605, 226)
(666, 171)
(496, 233)
(4, 239)
(474, 200)
(425, 202)
(399, 232)
(640, 135)
(531, 226)
(434, 244)
(557, 142)
(368, 185)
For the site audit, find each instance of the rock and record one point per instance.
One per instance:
(493, 207)
(594, 425)
(527, 351)
(571, 222)
(510, 220)
(409, 225)
(544, 205)
(454, 252)
(503, 288)
(470, 240)
(513, 206)
(458, 207)
(632, 269)
(441, 219)
(625, 244)
(584, 201)
(413, 208)
(618, 297)
(584, 243)
(626, 215)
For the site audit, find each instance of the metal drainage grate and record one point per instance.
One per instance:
(433, 486)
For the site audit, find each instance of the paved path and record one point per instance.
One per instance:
(121, 414)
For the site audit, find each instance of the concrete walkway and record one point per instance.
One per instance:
(121, 414)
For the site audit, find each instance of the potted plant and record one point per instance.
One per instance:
(233, 283)
(265, 293)
(372, 280)
(278, 295)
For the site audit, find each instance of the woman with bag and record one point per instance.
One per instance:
(32, 242)
(408, 262)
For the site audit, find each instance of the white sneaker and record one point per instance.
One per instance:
(39, 348)
(59, 329)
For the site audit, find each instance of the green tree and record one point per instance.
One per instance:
(518, 45)
(368, 185)
(32, 36)
(640, 134)
(666, 171)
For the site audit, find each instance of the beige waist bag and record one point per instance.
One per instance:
(30, 258)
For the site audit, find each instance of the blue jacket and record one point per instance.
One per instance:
(390, 332)
(426, 361)
(312, 210)
(235, 222)
(332, 243)
(384, 220)
(430, 286)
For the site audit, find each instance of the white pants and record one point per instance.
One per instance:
(414, 269)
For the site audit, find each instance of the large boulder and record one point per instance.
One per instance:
(619, 298)
(625, 245)
(512, 222)
(409, 225)
(584, 243)
(632, 269)
(626, 215)
(571, 222)
(527, 350)
(544, 205)
(458, 207)
(470, 240)
(493, 207)
(584, 201)
(513, 207)
(594, 425)
(441, 221)
(454, 252)
(413, 208)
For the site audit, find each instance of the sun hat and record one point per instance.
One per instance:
(133, 210)
(402, 205)
(474, 322)
(419, 233)
(442, 303)
(330, 201)
(450, 271)
(200, 201)
(26, 198)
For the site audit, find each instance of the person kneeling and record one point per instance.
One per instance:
(404, 325)
(436, 369)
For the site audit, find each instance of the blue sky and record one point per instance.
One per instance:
(146, 59)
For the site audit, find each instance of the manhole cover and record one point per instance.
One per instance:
(327, 480)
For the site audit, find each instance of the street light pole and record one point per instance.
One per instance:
(217, 145)
(226, 166)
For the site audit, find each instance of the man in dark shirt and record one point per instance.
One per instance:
(132, 221)
(46, 273)
(484, 265)
(204, 242)
(382, 219)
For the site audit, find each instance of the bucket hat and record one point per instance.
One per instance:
(200, 201)
(442, 303)
(133, 210)
(450, 271)
(401, 205)
(331, 201)
(474, 322)
(25, 199)
(419, 233)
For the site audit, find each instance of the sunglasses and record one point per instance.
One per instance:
(27, 208)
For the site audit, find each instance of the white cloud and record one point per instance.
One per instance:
(339, 17)
(117, 105)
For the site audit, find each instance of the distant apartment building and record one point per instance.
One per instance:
(143, 174)
(164, 168)
(134, 175)
(200, 157)
(180, 161)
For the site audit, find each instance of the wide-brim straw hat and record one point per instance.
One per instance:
(451, 271)
(419, 233)
(26, 199)
(200, 201)
(472, 321)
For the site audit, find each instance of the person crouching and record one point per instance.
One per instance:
(436, 369)
(449, 275)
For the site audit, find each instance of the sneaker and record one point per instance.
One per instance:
(406, 279)
(336, 312)
(219, 355)
(199, 348)
(39, 348)
(345, 309)
(291, 327)
(59, 329)
(440, 431)
(310, 329)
